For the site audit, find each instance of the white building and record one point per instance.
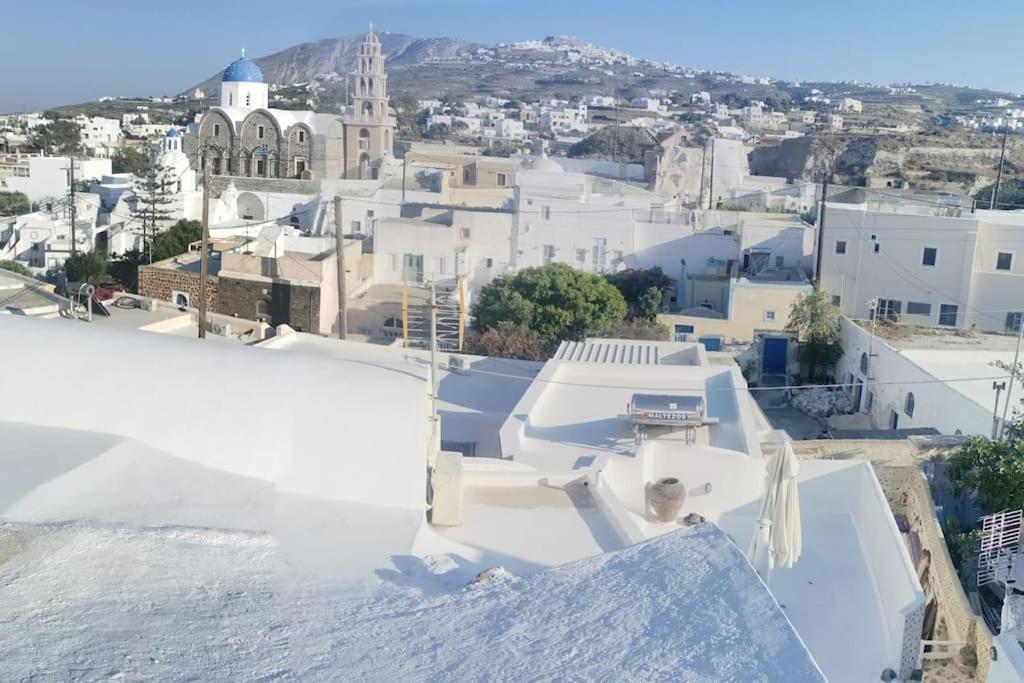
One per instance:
(565, 119)
(849, 104)
(702, 98)
(47, 178)
(925, 264)
(510, 129)
(99, 135)
(909, 378)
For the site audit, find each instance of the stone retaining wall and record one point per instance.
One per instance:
(160, 283)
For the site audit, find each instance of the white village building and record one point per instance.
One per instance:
(925, 263)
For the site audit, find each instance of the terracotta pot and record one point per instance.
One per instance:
(667, 496)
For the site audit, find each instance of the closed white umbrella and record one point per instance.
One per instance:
(777, 537)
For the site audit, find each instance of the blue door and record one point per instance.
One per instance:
(774, 353)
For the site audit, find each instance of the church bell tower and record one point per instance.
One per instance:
(369, 129)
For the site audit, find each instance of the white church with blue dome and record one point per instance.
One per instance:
(243, 137)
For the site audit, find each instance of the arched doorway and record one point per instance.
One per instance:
(250, 207)
(364, 166)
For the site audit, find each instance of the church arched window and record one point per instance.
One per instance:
(364, 139)
(368, 109)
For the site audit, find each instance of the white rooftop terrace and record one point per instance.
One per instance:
(256, 514)
(853, 590)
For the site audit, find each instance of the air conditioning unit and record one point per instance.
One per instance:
(219, 328)
(149, 305)
(459, 364)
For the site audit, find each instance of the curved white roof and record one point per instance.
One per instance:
(249, 420)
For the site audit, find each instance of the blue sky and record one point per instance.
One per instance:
(64, 51)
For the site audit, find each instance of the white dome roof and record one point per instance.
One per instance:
(543, 163)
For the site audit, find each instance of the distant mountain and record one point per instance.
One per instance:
(332, 58)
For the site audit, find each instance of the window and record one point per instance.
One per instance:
(908, 405)
(357, 227)
(261, 310)
(502, 180)
(260, 131)
(467, 175)
(302, 136)
(918, 308)
(947, 314)
(489, 262)
(466, 233)
(439, 265)
(840, 246)
(864, 364)
(894, 419)
(877, 247)
(545, 212)
(600, 253)
(769, 316)
(889, 309)
(1004, 261)
(548, 254)
(369, 213)
(1014, 320)
(930, 257)
(836, 301)
(679, 332)
(581, 257)
(780, 261)
(231, 100)
(617, 256)
(216, 129)
(261, 167)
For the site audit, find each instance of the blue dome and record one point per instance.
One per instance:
(243, 71)
(173, 133)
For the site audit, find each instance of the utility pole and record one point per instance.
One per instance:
(711, 180)
(405, 161)
(73, 213)
(1013, 378)
(993, 201)
(339, 240)
(435, 420)
(997, 387)
(204, 256)
(821, 233)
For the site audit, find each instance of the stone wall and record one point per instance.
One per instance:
(273, 302)
(285, 185)
(160, 283)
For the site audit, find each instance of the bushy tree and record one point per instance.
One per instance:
(86, 266)
(815, 321)
(57, 137)
(128, 160)
(621, 143)
(1011, 194)
(642, 289)
(175, 240)
(993, 471)
(15, 267)
(14, 204)
(637, 328)
(506, 341)
(556, 301)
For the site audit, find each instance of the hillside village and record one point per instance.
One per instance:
(718, 365)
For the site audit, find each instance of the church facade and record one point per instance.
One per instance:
(244, 137)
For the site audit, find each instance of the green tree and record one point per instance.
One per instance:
(57, 137)
(1011, 194)
(556, 301)
(152, 198)
(125, 269)
(175, 240)
(15, 267)
(506, 341)
(86, 266)
(621, 143)
(636, 284)
(637, 328)
(993, 471)
(815, 321)
(14, 204)
(128, 160)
